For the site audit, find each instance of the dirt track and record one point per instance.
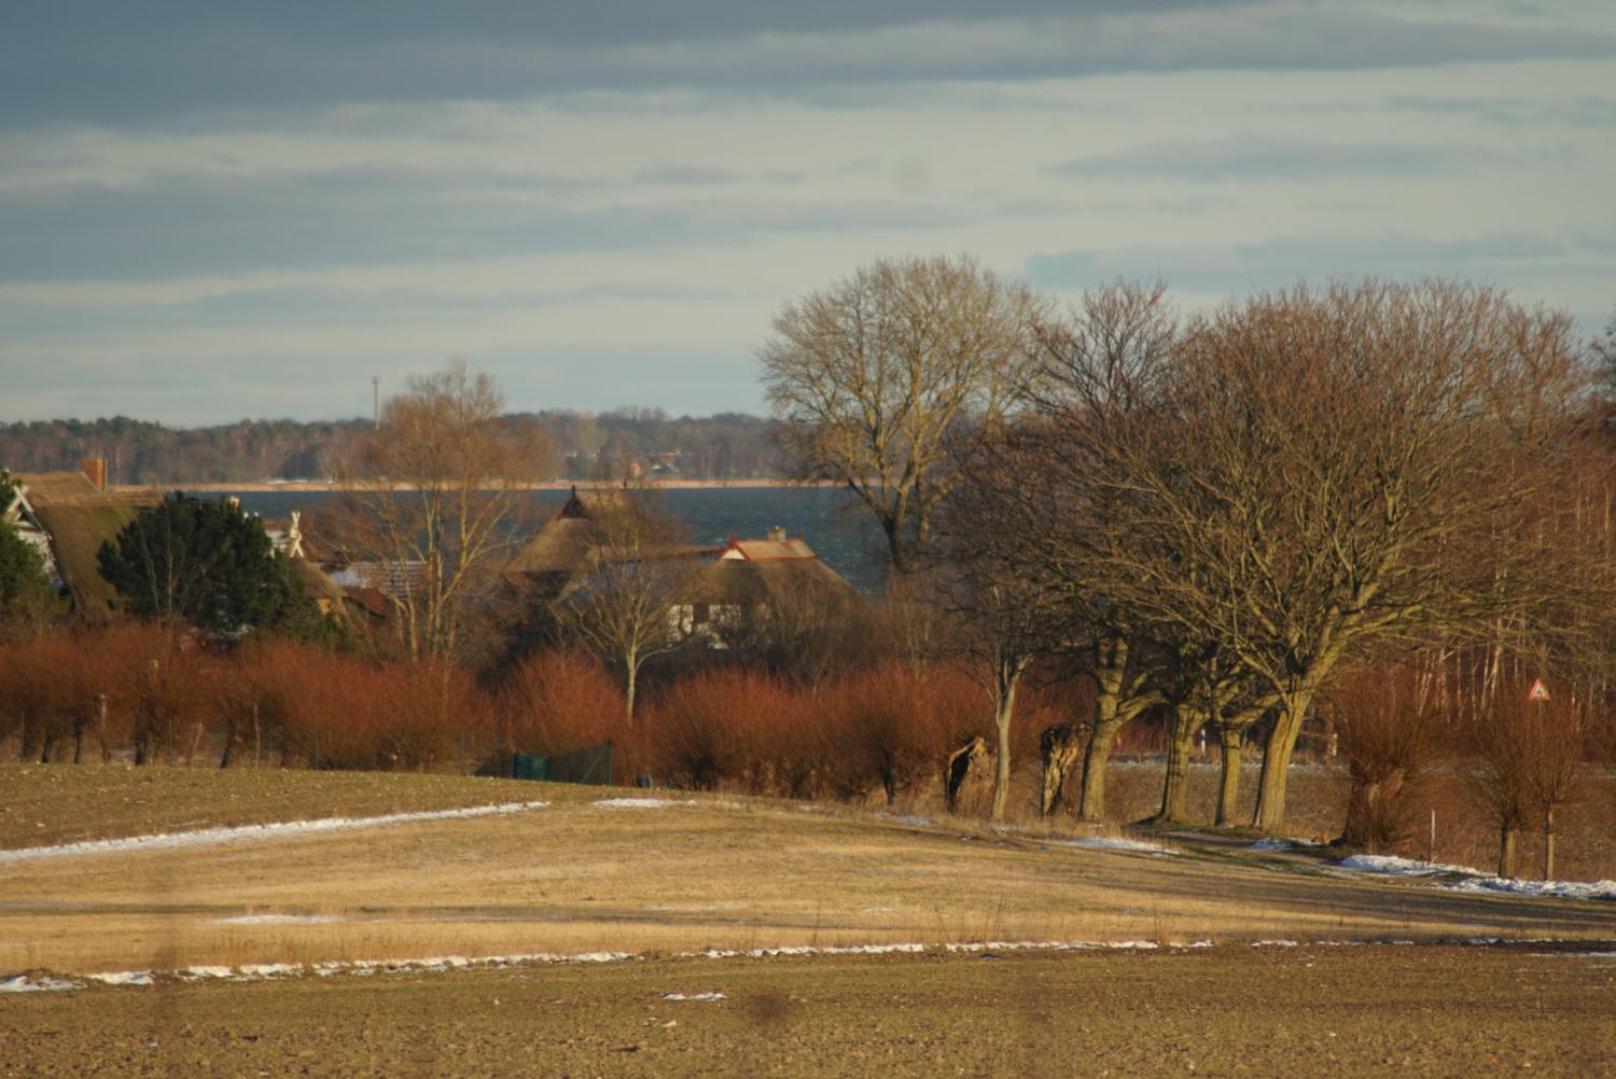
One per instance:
(1265, 1011)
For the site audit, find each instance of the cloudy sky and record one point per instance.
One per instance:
(211, 210)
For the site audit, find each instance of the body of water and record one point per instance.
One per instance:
(841, 532)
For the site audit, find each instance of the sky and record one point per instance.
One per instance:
(213, 210)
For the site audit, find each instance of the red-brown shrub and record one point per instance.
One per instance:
(556, 702)
(712, 728)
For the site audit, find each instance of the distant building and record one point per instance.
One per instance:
(752, 578)
(69, 515)
(729, 589)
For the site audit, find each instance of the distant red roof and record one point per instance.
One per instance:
(768, 550)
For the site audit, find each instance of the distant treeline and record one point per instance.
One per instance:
(581, 446)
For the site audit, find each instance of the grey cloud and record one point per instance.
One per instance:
(1593, 112)
(1260, 157)
(121, 65)
(677, 174)
(205, 224)
(1504, 258)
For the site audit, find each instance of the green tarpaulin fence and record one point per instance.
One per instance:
(592, 765)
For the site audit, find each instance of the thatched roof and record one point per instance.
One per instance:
(772, 583)
(80, 518)
(568, 542)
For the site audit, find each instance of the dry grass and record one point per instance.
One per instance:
(576, 877)
(45, 804)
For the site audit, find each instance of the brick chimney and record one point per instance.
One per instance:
(95, 470)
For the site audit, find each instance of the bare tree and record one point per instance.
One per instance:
(1529, 758)
(626, 605)
(433, 506)
(1061, 530)
(1326, 468)
(1392, 732)
(886, 378)
(1002, 624)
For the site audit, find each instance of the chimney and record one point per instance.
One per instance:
(95, 470)
(777, 534)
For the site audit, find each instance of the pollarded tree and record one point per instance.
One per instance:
(201, 561)
(887, 378)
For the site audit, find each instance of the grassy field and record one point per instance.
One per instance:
(690, 874)
(1321, 1011)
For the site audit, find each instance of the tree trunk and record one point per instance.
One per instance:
(1507, 835)
(1175, 787)
(1059, 748)
(1091, 796)
(1548, 843)
(1004, 711)
(1269, 815)
(631, 679)
(1229, 776)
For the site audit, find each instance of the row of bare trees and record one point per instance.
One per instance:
(1212, 516)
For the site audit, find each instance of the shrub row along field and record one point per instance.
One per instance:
(879, 736)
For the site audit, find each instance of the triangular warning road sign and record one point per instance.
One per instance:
(1538, 692)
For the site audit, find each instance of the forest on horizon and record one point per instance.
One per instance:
(580, 445)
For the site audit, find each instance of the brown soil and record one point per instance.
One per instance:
(1307, 1011)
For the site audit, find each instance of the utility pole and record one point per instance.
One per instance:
(376, 401)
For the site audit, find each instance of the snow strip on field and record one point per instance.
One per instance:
(1132, 846)
(22, 983)
(1474, 880)
(278, 919)
(694, 996)
(1270, 843)
(281, 830)
(644, 803)
(124, 977)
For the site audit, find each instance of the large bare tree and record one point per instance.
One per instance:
(1327, 468)
(886, 378)
(434, 505)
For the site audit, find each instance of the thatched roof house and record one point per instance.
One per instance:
(79, 513)
(751, 578)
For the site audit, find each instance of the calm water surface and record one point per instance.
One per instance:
(841, 532)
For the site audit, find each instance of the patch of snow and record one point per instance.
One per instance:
(255, 971)
(1541, 889)
(913, 819)
(277, 919)
(694, 996)
(643, 803)
(206, 972)
(1058, 945)
(280, 830)
(1574, 955)
(1272, 843)
(1392, 866)
(123, 977)
(1474, 880)
(1273, 944)
(1131, 846)
(21, 983)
